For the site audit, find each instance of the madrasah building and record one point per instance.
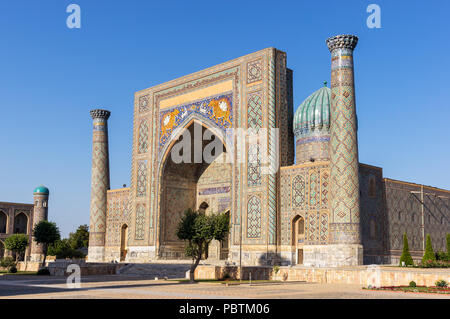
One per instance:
(319, 207)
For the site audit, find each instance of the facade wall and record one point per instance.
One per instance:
(374, 231)
(314, 147)
(304, 192)
(406, 213)
(117, 215)
(255, 89)
(11, 211)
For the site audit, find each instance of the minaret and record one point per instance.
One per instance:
(99, 185)
(40, 213)
(344, 188)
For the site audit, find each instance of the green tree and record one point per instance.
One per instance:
(17, 243)
(406, 256)
(80, 238)
(429, 253)
(199, 230)
(46, 233)
(63, 249)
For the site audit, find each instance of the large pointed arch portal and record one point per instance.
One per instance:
(190, 181)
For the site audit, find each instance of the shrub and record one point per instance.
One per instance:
(43, 272)
(434, 264)
(448, 246)
(276, 269)
(406, 256)
(441, 283)
(226, 276)
(441, 255)
(429, 253)
(412, 284)
(12, 270)
(7, 262)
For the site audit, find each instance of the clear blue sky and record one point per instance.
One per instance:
(51, 76)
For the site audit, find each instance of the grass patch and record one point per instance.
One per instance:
(18, 273)
(422, 289)
(221, 281)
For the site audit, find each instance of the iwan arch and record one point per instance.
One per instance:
(326, 209)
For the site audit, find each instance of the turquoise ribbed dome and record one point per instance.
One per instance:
(41, 190)
(314, 113)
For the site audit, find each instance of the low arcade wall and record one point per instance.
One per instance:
(361, 275)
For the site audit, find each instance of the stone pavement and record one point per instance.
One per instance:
(116, 286)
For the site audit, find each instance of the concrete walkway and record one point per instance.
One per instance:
(123, 287)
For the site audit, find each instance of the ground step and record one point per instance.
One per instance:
(156, 270)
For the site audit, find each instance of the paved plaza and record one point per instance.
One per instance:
(128, 287)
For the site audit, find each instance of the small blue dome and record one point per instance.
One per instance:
(41, 190)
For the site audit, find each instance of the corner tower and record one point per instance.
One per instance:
(345, 239)
(40, 213)
(99, 185)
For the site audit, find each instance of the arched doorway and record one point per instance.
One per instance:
(298, 237)
(123, 242)
(3, 222)
(191, 177)
(20, 224)
(203, 207)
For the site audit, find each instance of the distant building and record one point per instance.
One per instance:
(18, 218)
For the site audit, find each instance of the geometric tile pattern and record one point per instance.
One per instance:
(254, 217)
(293, 182)
(141, 188)
(314, 185)
(254, 111)
(298, 191)
(99, 178)
(323, 227)
(343, 144)
(324, 180)
(285, 192)
(253, 166)
(140, 222)
(273, 151)
(254, 71)
(143, 137)
(312, 226)
(118, 215)
(144, 103)
(344, 158)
